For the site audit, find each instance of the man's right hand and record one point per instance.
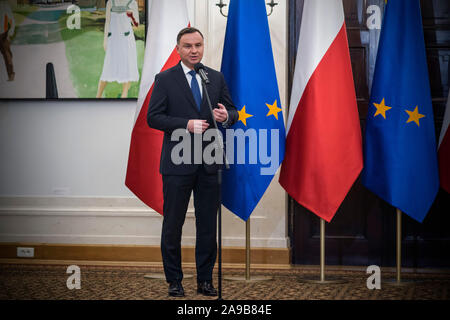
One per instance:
(197, 125)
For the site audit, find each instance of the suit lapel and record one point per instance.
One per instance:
(186, 89)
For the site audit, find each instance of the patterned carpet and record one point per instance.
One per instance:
(48, 282)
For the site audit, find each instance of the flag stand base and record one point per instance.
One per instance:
(331, 281)
(402, 283)
(162, 276)
(251, 279)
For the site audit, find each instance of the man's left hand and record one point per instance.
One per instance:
(220, 114)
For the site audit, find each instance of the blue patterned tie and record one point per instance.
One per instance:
(195, 89)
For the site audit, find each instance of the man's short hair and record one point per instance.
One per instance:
(186, 31)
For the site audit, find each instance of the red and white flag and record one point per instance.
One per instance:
(323, 146)
(444, 150)
(166, 19)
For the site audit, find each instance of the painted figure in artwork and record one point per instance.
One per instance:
(120, 62)
(7, 27)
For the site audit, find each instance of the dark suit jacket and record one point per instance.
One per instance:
(172, 105)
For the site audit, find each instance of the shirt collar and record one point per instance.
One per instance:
(186, 69)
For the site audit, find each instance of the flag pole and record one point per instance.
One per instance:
(247, 249)
(322, 250)
(399, 246)
(322, 260)
(398, 279)
(248, 277)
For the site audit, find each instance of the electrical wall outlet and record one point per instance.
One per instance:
(61, 191)
(25, 252)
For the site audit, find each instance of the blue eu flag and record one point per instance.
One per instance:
(400, 145)
(255, 144)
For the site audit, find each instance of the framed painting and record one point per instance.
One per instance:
(78, 49)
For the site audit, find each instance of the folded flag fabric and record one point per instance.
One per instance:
(249, 70)
(166, 19)
(324, 144)
(400, 148)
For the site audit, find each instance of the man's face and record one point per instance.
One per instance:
(190, 48)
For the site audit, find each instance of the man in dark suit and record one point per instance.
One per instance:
(179, 103)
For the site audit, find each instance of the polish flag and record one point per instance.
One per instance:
(166, 19)
(444, 150)
(323, 146)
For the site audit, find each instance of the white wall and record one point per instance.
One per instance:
(63, 165)
(71, 148)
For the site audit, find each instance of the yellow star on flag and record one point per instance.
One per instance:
(273, 109)
(414, 116)
(381, 108)
(243, 115)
